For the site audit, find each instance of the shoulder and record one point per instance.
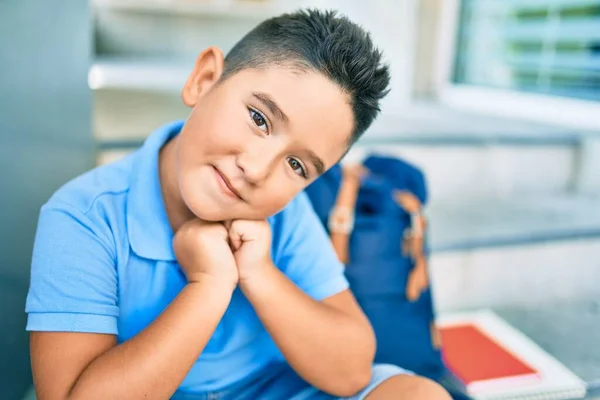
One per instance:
(98, 184)
(94, 201)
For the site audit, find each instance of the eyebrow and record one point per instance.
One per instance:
(271, 105)
(317, 162)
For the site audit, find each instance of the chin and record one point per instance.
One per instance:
(207, 209)
(208, 206)
(212, 215)
(201, 205)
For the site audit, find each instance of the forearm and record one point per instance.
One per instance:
(154, 363)
(328, 348)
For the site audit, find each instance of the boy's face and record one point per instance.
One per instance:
(255, 140)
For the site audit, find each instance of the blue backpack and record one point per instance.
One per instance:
(377, 270)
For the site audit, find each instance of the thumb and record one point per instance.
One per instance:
(235, 239)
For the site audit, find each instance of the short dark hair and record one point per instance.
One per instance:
(326, 43)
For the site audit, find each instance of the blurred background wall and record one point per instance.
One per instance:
(45, 139)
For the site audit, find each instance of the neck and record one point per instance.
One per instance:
(176, 209)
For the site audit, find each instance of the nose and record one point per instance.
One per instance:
(257, 164)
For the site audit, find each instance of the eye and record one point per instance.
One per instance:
(297, 167)
(259, 120)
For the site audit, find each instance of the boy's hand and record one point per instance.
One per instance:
(251, 244)
(202, 250)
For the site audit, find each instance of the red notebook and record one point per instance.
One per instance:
(480, 362)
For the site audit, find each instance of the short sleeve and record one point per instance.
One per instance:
(73, 284)
(304, 251)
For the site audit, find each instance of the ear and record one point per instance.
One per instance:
(207, 71)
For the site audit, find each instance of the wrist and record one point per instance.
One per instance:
(259, 278)
(206, 295)
(213, 283)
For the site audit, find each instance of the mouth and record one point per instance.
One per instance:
(226, 186)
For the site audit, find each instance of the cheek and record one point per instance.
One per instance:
(275, 198)
(214, 129)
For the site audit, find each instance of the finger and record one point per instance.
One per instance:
(235, 240)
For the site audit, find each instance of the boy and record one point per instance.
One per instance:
(193, 269)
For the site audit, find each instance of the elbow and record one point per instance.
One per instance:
(360, 381)
(352, 383)
(355, 379)
(353, 371)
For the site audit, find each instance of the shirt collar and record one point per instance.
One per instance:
(149, 230)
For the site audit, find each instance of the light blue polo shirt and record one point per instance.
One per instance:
(103, 263)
